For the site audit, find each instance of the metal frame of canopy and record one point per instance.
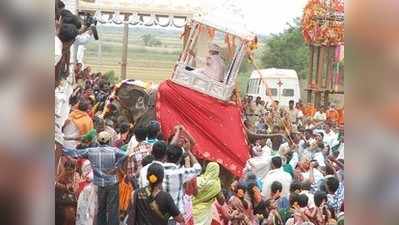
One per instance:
(189, 78)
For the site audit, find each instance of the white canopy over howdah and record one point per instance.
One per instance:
(228, 18)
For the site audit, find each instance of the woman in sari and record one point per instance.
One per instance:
(87, 201)
(208, 187)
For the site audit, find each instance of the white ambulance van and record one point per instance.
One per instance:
(283, 84)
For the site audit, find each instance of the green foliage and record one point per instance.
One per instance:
(244, 73)
(155, 43)
(146, 39)
(287, 50)
(245, 66)
(111, 77)
(150, 40)
(242, 81)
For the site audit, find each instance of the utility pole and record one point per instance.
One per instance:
(77, 7)
(124, 49)
(100, 54)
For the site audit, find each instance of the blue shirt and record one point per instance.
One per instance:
(283, 203)
(103, 160)
(335, 200)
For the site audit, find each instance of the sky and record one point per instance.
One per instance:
(262, 16)
(270, 16)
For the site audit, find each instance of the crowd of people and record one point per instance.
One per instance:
(109, 173)
(261, 117)
(106, 176)
(297, 156)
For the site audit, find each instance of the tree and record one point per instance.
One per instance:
(147, 38)
(150, 40)
(287, 50)
(155, 42)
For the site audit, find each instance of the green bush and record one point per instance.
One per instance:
(111, 77)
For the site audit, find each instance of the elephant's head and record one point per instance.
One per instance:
(128, 101)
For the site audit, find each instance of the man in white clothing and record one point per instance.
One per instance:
(293, 113)
(214, 67)
(260, 164)
(78, 46)
(306, 187)
(309, 173)
(276, 174)
(341, 149)
(320, 115)
(57, 50)
(159, 153)
(330, 137)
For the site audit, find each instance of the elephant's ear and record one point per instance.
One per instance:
(129, 94)
(145, 118)
(124, 92)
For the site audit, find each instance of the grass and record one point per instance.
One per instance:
(144, 63)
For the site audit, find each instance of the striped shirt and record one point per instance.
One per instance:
(174, 180)
(134, 163)
(103, 160)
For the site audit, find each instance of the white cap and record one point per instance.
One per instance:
(104, 137)
(214, 47)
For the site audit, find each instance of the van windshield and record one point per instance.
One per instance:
(288, 92)
(253, 86)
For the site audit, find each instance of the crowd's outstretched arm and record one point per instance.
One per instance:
(75, 153)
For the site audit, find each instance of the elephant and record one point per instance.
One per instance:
(131, 101)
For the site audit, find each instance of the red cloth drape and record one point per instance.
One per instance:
(215, 125)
